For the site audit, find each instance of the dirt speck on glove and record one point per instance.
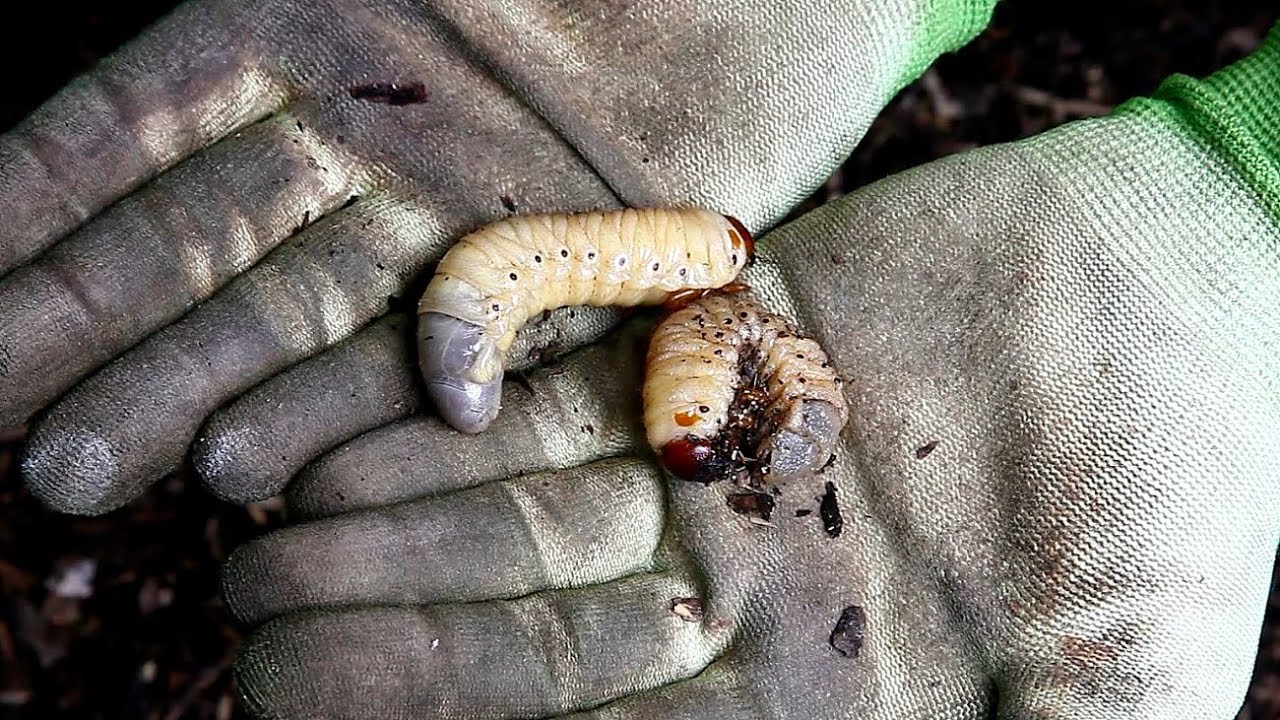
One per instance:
(850, 631)
(753, 504)
(390, 93)
(829, 511)
(688, 609)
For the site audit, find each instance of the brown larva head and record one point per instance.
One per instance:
(687, 457)
(740, 237)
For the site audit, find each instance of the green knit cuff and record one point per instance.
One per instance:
(1236, 111)
(948, 26)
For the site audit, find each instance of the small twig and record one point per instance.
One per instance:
(945, 108)
(1061, 108)
(203, 682)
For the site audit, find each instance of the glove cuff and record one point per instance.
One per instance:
(1236, 111)
(948, 26)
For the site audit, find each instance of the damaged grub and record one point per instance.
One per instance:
(770, 412)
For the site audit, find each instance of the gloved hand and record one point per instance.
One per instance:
(1057, 487)
(248, 184)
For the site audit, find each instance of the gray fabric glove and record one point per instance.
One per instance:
(1057, 488)
(246, 186)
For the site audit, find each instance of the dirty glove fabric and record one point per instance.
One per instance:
(251, 183)
(1057, 488)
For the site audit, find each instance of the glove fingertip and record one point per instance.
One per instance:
(73, 472)
(252, 676)
(222, 462)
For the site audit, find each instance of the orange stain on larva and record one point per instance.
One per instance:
(685, 419)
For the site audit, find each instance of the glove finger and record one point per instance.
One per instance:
(156, 101)
(152, 256)
(539, 655)
(718, 693)
(106, 440)
(250, 449)
(538, 532)
(581, 410)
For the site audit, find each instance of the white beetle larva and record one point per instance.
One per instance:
(733, 388)
(497, 278)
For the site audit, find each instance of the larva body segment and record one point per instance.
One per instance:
(731, 388)
(496, 279)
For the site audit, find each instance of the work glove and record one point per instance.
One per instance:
(1056, 496)
(252, 184)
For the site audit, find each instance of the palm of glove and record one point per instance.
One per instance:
(549, 592)
(1041, 514)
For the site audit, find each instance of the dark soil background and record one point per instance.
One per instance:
(119, 616)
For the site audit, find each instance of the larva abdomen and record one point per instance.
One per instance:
(497, 278)
(732, 389)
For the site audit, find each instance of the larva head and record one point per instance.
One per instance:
(740, 238)
(688, 457)
(449, 350)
